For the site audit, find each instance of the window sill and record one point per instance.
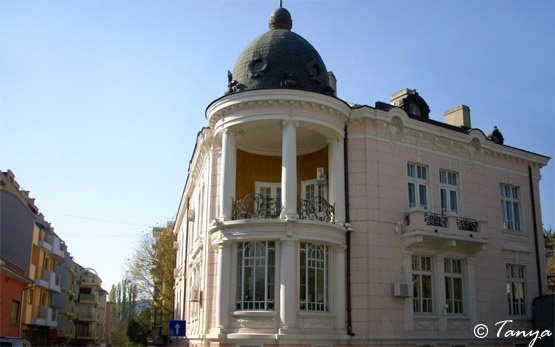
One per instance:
(322, 314)
(253, 313)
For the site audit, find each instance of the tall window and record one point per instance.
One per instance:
(422, 284)
(516, 289)
(453, 285)
(314, 277)
(448, 191)
(14, 315)
(510, 207)
(256, 275)
(417, 185)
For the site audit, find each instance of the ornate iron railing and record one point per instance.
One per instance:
(467, 224)
(256, 206)
(435, 219)
(318, 209)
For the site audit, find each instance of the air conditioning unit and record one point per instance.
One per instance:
(320, 174)
(175, 245)
(402, 289)
(195, 294)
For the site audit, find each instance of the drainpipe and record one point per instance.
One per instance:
(535, 224)
(347, 235)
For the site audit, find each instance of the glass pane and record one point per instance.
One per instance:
(422, 195)
(410, 170)
(453, 200)
(516, 215)
(443, 198)
(412, 195)
(442, 176)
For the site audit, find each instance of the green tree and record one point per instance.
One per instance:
(150, 271)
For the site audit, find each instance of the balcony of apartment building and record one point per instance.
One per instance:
(46, 279)
(44, 240)
(85, 331)
(58, 247)
(44, 316)
(87, 314)
(443, 230)
(87, 297)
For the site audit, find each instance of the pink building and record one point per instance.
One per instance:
(306, 220)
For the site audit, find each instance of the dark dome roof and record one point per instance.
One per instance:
(280, 58)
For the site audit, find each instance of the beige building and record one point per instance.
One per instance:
(306, 220)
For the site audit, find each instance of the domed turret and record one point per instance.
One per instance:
(279, 59)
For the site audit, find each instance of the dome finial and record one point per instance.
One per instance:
(280, 19)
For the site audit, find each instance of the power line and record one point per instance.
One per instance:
(98, 219)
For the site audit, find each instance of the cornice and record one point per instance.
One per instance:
(264, 98)
(396, 126)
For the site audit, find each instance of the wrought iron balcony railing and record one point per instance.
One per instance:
(318, 209)
(256, 206)
(435, 219)
(467, 224)
(450, 222)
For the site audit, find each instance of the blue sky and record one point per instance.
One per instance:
(101, 100)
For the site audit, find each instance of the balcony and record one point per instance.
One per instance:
(435, 230)
(44, 316)
(88, 298)
(44, 242)
(58, 247)
(48, 280)
(87, 315)
(258, 206)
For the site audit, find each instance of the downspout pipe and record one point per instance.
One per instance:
(348, 234)
(535, 225)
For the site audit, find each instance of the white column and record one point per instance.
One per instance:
(471, 288)
(227, 174)
(339, 287)
(289, 171)
(288, 305)
(440, 303)
(336, 171)
(223, 285)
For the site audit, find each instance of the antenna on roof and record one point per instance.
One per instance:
(280, 4)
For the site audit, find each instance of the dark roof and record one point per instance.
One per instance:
(279, 59)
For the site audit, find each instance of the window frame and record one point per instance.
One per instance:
(511, 207)
(15, 315)
(418, 175)
(448, 186)
(453, 305)
(275, 192)
(517, 309)
(310, 268)
(417, 276)
(268, 302)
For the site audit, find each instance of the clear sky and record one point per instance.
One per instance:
(101, 100)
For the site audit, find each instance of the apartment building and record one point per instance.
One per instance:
(307, 220)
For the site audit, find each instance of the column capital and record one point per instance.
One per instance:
(290, 122)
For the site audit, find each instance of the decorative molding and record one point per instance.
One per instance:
(315, 323)
(421, 323)
(253, 322)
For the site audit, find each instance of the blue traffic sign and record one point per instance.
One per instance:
(177, 328)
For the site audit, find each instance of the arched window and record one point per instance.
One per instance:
(313, 277)
(256, 275)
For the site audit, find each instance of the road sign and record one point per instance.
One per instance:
(177, 328)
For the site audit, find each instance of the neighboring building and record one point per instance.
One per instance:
(66, 301)
(13, 281)
(41, 277)
(91, 308)
(29, 242)
(306, 220)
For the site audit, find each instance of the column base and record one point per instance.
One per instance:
(288, 331)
